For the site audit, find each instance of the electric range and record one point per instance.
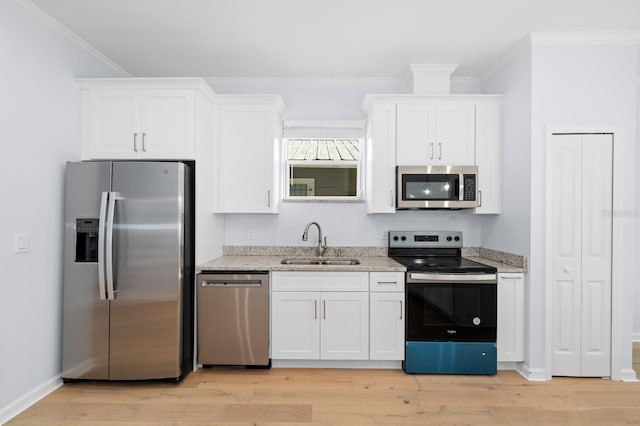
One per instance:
(451, 305)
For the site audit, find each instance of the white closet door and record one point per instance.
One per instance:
(597, 203)
(581, 255)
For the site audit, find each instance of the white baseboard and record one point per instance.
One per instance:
(531, 374)
(27, 400)
(283, 363)
(628, 375)
(635, 337)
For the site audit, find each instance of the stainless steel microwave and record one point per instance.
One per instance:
(436, 187)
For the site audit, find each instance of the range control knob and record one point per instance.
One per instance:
(457, 238)
(395, 238)
(449, 238)
(403, 238)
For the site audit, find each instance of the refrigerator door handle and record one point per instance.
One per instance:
(111, 292)
(101, 237)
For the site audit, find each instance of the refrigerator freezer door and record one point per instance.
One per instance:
(148, 237)
(85, 330)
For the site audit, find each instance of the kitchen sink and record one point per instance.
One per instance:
(319, 261)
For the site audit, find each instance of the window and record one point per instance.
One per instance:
(323, 160)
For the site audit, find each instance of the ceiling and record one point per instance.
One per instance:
(322, 38)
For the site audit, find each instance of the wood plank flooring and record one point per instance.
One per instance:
(342, 397)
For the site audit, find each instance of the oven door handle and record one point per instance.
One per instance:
(418, 277)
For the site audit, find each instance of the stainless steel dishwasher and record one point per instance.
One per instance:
(233, 319)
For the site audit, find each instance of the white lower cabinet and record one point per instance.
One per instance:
(510, 328)
(309, 323)
(337, 316)
(295, 328)
(387, 313)
(344, 325)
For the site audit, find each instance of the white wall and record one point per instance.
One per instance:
(40, 131)
(509, 231)
(585, 86)
(344, 224)
(636, 304)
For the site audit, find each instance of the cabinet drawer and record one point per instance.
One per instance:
(386, 281)
(320, 281)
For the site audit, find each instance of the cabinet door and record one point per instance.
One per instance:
(386, 326)
(168, 124)
(345, 325)
(455, 134)
(416, 134)
(248, 149)
(510, 328)
(381, 159)
(114, 124)
(295, 325)
(488, 156)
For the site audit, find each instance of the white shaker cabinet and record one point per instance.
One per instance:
(381, 159)
(510, 327)
(489, 156)
(435, 133)
(295, 325)
(320, 315)
(422, 130)
(387, 316)
(247, 160)
(140, 118)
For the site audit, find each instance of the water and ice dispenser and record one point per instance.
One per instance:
(87, 240)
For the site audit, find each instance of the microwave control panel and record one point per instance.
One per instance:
(469, 186)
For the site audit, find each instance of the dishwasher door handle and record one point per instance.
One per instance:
(227, 283)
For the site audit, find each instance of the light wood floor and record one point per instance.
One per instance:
(342, 397)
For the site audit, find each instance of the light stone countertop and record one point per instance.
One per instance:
(372, 259)
(502, 267)
(273, 263)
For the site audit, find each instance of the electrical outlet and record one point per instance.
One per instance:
(251, 234)
(22, 243)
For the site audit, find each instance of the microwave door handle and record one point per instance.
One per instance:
(460, 186)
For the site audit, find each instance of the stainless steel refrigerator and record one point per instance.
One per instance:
(128, 271)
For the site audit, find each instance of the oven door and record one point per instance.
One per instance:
(451, 307)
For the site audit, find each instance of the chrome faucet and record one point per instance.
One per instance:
(322, 246)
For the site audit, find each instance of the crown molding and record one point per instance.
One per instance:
(519, 49)
(61, 29)
(278, 82)
(581, 38)
(585, 38)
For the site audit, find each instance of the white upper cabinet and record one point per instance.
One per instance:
(435, 133)
(140, 118)
(248, 154)
(489, 156)
(456, 130)
(381, 159)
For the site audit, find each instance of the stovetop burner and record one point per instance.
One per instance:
(432, 251)
(442, 264)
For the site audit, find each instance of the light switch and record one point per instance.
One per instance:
(22, 243)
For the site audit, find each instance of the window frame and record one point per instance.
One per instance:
(330, 127)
